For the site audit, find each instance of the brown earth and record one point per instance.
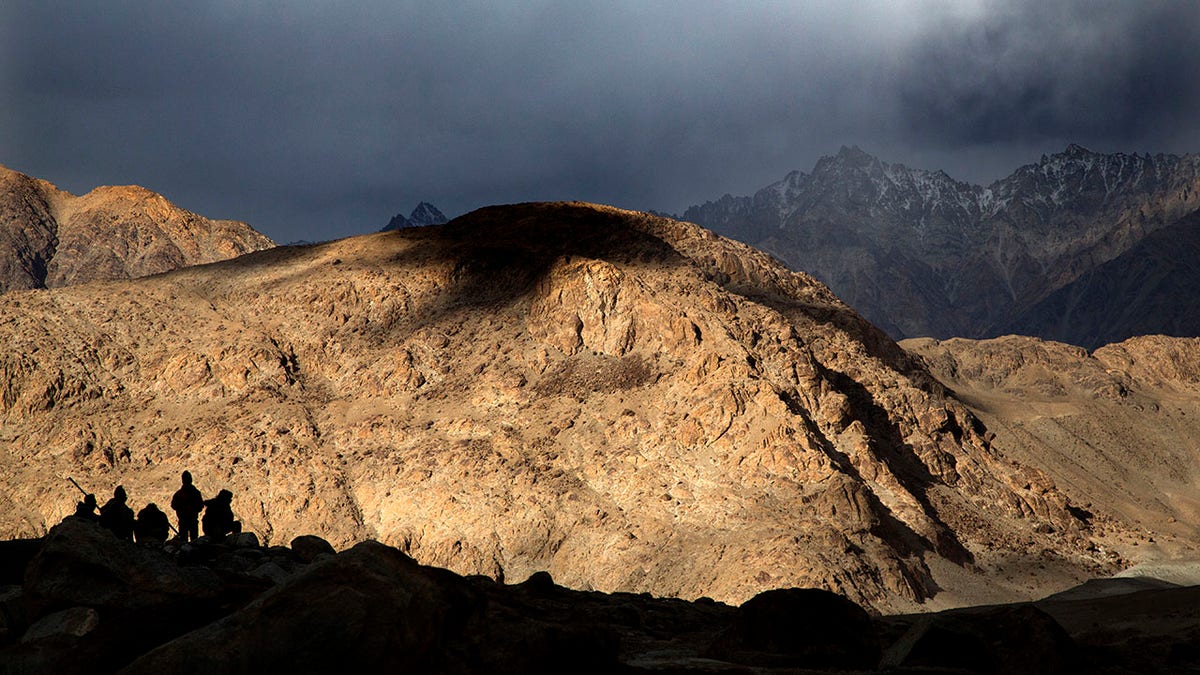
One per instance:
(50, 238)
(626, 401)
(1115, 429)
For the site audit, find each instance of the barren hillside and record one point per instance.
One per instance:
(1115, 428)
(626, 401)
(50, 238)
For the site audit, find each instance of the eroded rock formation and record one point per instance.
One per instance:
(1115, 428)
(50, 238)
(629, 402)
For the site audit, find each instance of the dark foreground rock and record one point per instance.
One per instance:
(90, 603)
(1005, 639)
(801, 627)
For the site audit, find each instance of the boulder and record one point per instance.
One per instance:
(1004, 639)
(799, 627)
(12, 612)
(366, 609)
(82, 564)
(242, 540)
(372, 608)
(539, 582)
(77, 621)
(14, 556)
(271, 572)
(307, 547)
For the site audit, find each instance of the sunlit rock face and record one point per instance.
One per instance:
(629, 402)
(50, 238)
(1113, 427)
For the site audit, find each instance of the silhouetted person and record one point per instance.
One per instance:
(218, 516)
(86, 509)
(117, 516)
(187, 504)
(151, 525)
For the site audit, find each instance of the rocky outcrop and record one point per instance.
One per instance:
(628, 402)
(982, 640)
(371, 608)
(921, 254)
(49, 238)
(799, 627)
(1114, 428)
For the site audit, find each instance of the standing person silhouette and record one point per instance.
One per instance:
(187, 504)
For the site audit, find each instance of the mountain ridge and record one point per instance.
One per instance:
(51, 238)
(629, 402)
(922, 254)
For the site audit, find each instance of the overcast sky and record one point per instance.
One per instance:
(313, 120)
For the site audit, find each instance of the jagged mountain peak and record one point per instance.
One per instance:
(1076, 159)
(1079, 179)
(855, 154)
(920, 253)
(1076, 150)
(853, 161)
(848, 158)
(426, 214)
(423, 214)
(855, 181)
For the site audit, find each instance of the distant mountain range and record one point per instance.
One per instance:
(424, 214)
(50, 238)
(1081, 247)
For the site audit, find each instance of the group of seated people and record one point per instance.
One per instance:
(151, 524)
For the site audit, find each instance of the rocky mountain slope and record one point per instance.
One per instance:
(1114, 428)
(921, 254)
(50, 238)
(628, 402)
(1149, 289)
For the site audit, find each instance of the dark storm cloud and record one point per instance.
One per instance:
(1118, 73)
(319, 119)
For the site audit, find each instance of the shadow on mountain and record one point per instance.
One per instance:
(500, 254)
(901, 459)
(1149, 289)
